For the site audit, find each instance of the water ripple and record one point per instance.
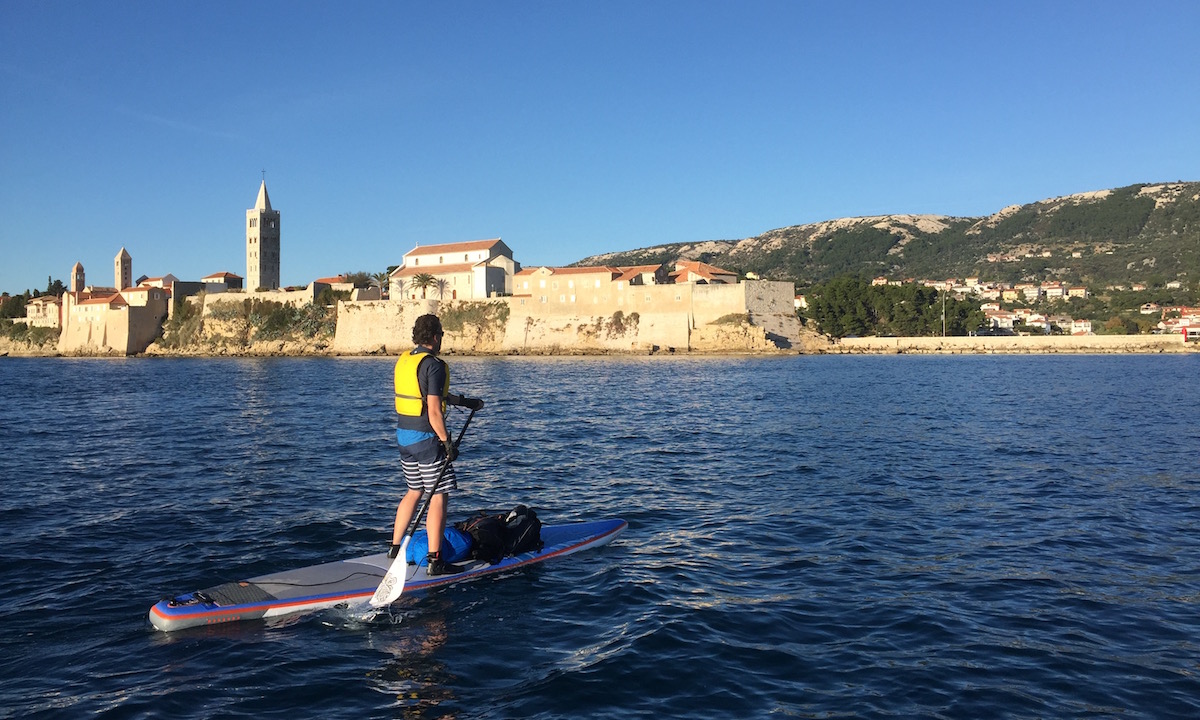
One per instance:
(821, 537)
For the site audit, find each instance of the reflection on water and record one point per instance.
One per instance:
(414, 675)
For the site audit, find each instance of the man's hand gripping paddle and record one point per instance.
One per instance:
(392, 586)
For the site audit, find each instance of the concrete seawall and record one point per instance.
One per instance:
(1015, 344)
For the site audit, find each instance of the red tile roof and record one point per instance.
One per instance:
(453, 247)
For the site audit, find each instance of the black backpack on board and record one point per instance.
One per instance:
(497, 535)
(522, 531)
(487, 534)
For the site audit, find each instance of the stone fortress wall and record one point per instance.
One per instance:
(122, 331)
(755, 316)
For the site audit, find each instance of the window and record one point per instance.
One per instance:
(441, 260)
(555, 285)
(466, 257)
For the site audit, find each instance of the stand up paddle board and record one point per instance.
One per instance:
(352, 581)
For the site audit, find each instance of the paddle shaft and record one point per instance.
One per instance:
(392, 585)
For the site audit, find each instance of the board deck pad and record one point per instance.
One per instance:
(353, 581)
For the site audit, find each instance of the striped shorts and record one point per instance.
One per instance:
(424, 475)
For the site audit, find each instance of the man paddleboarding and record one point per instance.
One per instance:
(427, 449)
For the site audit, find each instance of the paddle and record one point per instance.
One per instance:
(392, 585)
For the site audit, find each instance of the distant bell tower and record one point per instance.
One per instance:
(123, 270)
(77, 278)
(262, 244)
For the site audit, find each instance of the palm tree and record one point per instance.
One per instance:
(440, 285)
(422, 281)
(380, 280)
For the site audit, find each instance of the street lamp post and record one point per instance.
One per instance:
(943, 312)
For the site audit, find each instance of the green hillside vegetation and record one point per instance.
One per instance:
(253, 320)
(1137, 234)
(850, 306)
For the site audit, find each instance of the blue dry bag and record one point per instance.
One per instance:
(456, 545)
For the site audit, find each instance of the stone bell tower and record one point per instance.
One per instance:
(262, 244)
(123, 270)
(77, 278)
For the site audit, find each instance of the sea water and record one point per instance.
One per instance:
(875, 537)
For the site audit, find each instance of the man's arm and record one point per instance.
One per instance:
(459, 400)
(436, 419)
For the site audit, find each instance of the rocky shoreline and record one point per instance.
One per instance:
(810, 344)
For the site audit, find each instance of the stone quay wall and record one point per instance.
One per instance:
(1016, 344)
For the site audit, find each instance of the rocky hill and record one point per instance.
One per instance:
(1140, 233)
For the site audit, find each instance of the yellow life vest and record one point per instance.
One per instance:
(408, 391)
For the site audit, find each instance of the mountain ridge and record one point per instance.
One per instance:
(1138, 233)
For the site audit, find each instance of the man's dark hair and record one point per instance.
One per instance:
(426, 329)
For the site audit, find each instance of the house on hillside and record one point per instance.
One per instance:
(645, 274)
(166, 281)
(222, 281)
(1000, 319)
(473, 270)
(1054, 291)
(337, 283)
(44, 311)
(691, 271)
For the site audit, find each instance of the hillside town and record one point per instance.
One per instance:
(671, 301)
(995, 296)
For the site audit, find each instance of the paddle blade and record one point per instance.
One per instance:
(392, 586)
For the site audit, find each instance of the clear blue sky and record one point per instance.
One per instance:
(568, 128)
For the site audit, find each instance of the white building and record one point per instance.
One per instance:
(473, 270)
